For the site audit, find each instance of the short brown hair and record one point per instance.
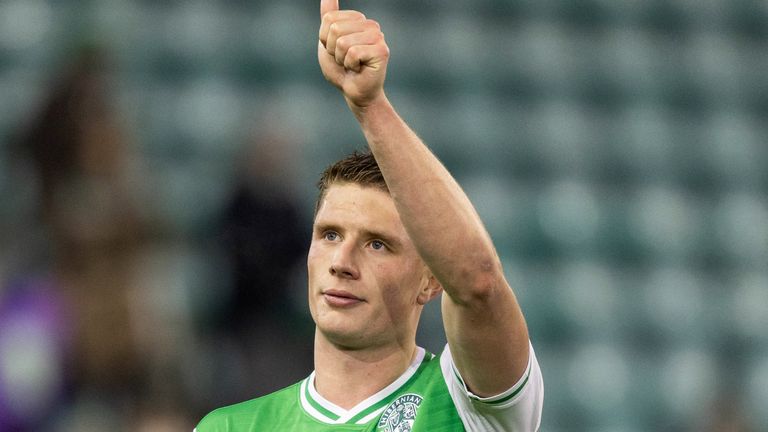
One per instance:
(360, 168)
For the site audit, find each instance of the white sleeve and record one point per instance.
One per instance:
(515, 410)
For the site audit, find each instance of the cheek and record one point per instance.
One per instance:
(314, 270)
(314, 258)
(313, 251)
(398, 282)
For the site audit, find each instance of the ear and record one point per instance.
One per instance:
(429, 291)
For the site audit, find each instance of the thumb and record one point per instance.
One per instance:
(328, 6)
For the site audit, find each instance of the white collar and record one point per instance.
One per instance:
(327, 412)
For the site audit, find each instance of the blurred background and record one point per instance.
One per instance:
(157, 171)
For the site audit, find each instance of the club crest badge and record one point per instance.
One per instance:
(400, 414)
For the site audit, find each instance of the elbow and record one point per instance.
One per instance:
(481, 282)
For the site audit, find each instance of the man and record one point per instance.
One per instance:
(393, 230)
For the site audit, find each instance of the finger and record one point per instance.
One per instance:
(331, 71)
(371, 36)
(329, 19)
(328, 6)
(366, 55)
(339, 29)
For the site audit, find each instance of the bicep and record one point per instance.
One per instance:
(488, 338)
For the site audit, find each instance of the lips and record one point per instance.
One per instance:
(341, 298)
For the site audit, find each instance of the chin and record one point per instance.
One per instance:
(346, 340)
(342, 331)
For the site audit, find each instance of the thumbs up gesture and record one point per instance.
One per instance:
(353, 54)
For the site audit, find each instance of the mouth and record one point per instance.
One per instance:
(341, 298)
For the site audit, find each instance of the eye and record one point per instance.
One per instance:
(331, 235)
(378, 245)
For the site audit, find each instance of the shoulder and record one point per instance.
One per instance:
(244, 415)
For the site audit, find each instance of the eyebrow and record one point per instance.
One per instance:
(393, 242)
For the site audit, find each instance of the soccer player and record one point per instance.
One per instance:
(392, 230)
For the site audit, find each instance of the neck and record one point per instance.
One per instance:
(347, 377)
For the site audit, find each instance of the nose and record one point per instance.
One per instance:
(344, 263)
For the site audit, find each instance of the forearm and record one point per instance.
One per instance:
(483, 322)
(435, 211)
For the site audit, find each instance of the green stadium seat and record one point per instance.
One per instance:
(757, 383)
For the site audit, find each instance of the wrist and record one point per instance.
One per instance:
(375, 107)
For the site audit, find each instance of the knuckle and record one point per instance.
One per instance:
(353, 55)
(373, 24)
(342, 43)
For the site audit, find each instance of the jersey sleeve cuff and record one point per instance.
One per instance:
(501, 398)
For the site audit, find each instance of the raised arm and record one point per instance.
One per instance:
(485, 328)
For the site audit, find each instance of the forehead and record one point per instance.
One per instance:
(363, 206)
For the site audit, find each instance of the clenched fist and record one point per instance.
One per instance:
(352, 53)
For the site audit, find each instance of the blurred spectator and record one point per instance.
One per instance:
(727, 415)
(34, 332)
(88, 208)
(263, 234)
(265, 240)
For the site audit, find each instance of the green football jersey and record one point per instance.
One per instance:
(429, 397)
